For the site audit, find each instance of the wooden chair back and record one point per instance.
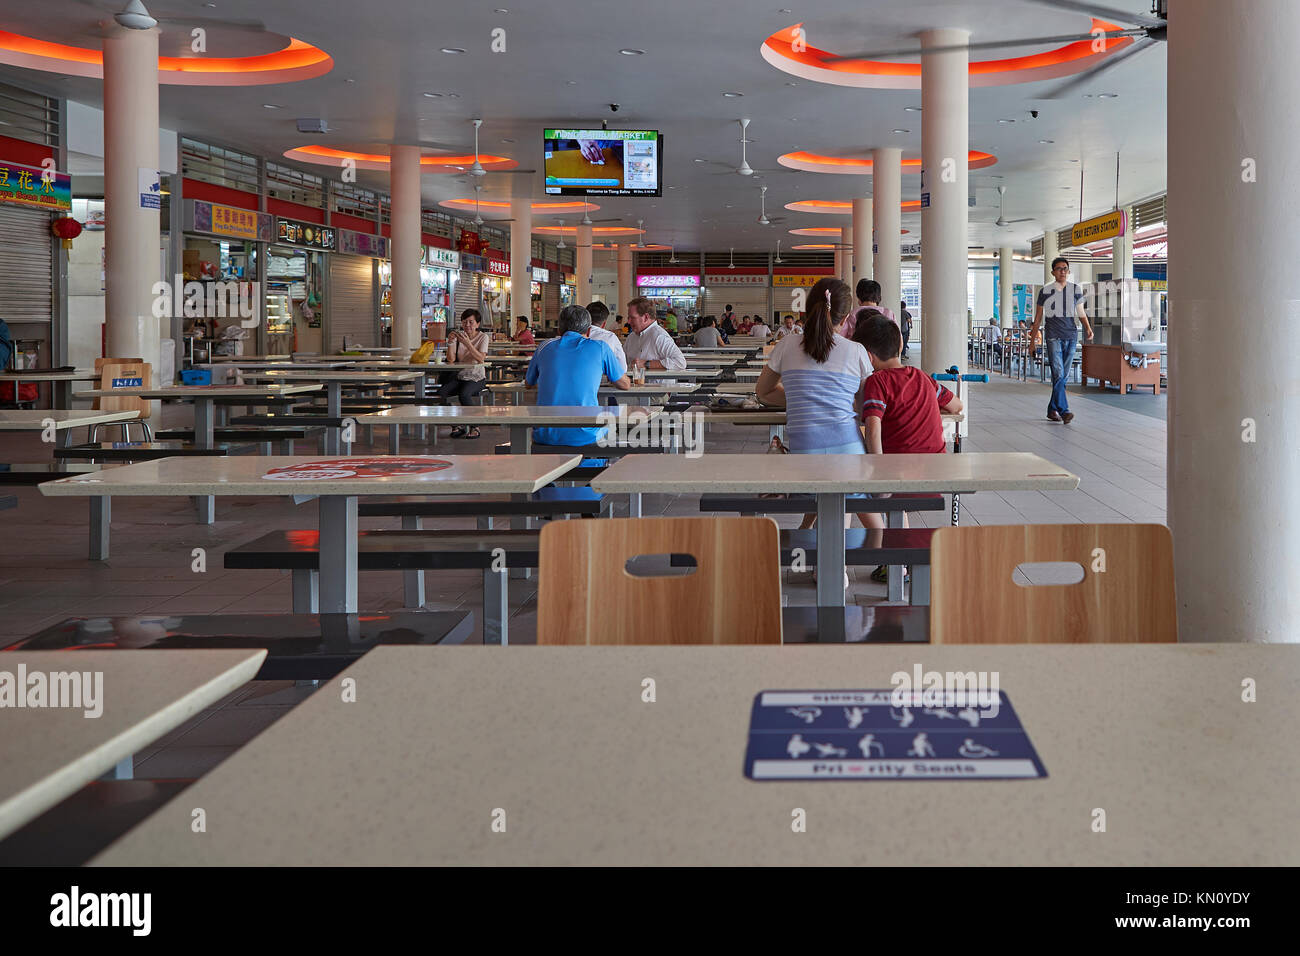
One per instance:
(1126, 595)
(111, 370)
(732, 597)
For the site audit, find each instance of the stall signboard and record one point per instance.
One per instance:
(33, 186)
(726, 278)
(306, 234)
(230, 221)
(1106, 226)
(798, 281)
(570, 278)
(541, 275)
(472, 263)
(653, 282)
(363, 244)
(497, 266)
(441, 258)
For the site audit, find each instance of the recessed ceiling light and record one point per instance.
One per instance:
(699, 160)
(500, 10)
(434, 96)
(453, 49)
(784, 10)
(1006, 121)
(1074, 160)
(791, 83)
(901, 131)
(349, 80)
(454, 96)
(1047, 142)
(1108, 96)
(733, 94)
(570, 82)
(911, 109)
(728, 205)
(507, 141)
(629, 51)
(270, 106)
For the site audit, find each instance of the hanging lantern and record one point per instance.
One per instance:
(67, 229)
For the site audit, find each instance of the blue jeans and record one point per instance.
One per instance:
(1060, 353)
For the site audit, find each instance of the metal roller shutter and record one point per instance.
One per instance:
(550, 303)
(350, 307)
(25, 250)
(744, 299)
(467, 296)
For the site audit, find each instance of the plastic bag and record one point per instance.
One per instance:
(422, 355)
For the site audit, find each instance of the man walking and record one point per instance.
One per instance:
(1060, 302)
(904, 325)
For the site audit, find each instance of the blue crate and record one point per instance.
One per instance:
(196, 376)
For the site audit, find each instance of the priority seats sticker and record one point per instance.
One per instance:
(388, 466)
(863, 735)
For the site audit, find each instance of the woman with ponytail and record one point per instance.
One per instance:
(818, 377)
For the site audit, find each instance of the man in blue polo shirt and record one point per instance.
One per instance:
(568, 372)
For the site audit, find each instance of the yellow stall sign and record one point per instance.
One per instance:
(1106, 226)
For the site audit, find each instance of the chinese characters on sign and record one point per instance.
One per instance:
(32, 186)
(728, 279)
(498, 267)
(229, 221)
(305, 234)
(658, 281)
(446, 258)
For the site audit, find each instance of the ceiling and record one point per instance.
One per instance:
(562, 67)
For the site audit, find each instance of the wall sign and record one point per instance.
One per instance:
(33, 186)
(442, 258)
(650, 282)
(1106, 226)
(472, 263)
(362, 244)
(307, 234)
(861, 735)
(729, 279)
(541, 275)
(150, 188)
(802, 282)
(498, 267)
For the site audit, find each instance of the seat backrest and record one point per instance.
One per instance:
(123, 370)
(1126, 594)
(732, 597)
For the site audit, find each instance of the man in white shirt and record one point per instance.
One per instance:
(601, 323)
(760, 330)
(787, 328)
(649, 345)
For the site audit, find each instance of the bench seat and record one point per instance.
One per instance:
(148, 450)
(807, 504)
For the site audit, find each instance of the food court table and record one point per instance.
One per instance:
(338, 482)
(60, 396)
(38, 419)
(334, 382)
(520, 419)
(48, 753)
(574, 769)
(830, 478)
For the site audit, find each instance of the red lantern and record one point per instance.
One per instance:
(67, 229)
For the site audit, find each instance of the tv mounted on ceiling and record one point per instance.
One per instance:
(604, 162)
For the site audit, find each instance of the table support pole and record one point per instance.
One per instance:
(830, 549)
(100, 513)
(413, 580)
(334, 409)
(394, 433)
(496, 607)
(204, 410)
(894, 579)
(338, 554)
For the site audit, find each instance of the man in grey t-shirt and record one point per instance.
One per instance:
(1060, 302)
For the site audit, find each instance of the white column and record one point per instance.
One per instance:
(582, 265)
(838, 266)
(862, 255)
(1122, 250)
(521, 260)
(131, 245)
(1233, 320)
(944, 179)
(887, 211)
(849, 250)
(1006, 282)
(1050, 251)
(404, 249)
(625, 286)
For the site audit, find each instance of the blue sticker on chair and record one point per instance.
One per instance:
(863, 735)
(128, 383)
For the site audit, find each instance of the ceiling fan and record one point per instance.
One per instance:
(1002, 219)
(134, 16)
(672, 258)
(477, 169)
(744, 169)
(586, 219)
(763, 219)
(1146, 31)
(560, 244)
(731, 264)
(778, 260)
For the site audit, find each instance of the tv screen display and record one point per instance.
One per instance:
(604, 162)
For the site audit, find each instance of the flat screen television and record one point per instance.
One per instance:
(604, 162)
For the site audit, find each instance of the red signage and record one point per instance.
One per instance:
(383, 467)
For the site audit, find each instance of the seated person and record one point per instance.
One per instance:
(745, 325)
(568, 371)
(787, 328)
(759, 329)
(465, 345)
(993, 335)
(601, 331)
(707, 335)
(648, 345)
(523, 334)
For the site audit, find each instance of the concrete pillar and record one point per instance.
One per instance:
(1122, 250)
(132, 261)
(1050, 251)
(945, 181)
(1233, 456)
(582, 265)
(838, 266)
(1006, 282)
(404, 249)
(849, 250)
(521, 260)
(625, 286)
(862, 254)
(887, 211)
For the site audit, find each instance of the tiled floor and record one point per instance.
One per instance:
(1117, 451)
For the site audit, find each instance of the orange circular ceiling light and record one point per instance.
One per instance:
(296, 61)
(828, 231)
(814, 245)
(550, 208)
(789, 51)
(837, 208)
(847, 165)
(595, 230)
(429, 163)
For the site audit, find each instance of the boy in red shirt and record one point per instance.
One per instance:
(900, 403)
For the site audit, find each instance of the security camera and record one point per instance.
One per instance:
(613, 107)
(1034, 113)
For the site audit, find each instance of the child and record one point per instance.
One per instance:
(900, 403)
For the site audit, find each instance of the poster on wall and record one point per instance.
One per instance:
(150, 188)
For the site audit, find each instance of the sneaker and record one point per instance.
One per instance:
(1067, 417)
(1053, 417)
(880, 575)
